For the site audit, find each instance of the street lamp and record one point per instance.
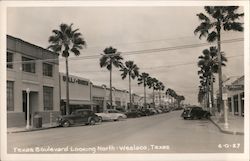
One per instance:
(28, 108)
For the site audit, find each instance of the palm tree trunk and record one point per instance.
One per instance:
(219, 71)
(144, 94)
(153, 97)
(67, 86)
(160, 97)
(110, 84)
(130, 99)
(212, 93)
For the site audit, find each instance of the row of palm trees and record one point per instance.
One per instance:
(65, 40)
(112, 58)
(216, 19)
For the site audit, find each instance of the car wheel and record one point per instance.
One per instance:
(92, 122)
(99, 119)
(119, 118)
(66, 124)
(184, 118)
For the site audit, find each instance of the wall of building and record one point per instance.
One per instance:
(79, 88)
(34, 81)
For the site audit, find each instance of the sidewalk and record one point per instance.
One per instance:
(23, 129)
(235, 124)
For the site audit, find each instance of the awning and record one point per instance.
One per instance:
(80, 102)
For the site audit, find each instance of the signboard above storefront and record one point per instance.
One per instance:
(76, 80)
(235, 87)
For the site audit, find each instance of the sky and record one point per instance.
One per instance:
(130, 29)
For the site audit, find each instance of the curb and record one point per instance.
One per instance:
(30, 130)
(226, 131)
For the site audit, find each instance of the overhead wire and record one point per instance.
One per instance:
(135, 52)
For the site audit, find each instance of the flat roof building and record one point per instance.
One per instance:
(31, 71)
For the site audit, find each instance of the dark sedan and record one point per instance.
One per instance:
(82, 116)
(195, 113)
(134, 113)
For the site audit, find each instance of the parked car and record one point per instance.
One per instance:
(195, 113)
(81, 116)
(153, 111)
(146, 112)
(134, 113)
(159, 111)
(112, 114)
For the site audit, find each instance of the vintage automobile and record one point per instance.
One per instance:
(153, 111)
(112, 115)
(134, 113)
(195, 112)
(81, 116)
(146, 112)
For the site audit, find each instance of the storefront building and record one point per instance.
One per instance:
(79, 93)
(235, 93)
(32, 72)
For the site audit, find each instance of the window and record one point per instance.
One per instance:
(48, 98)
(28, 65)
(9, 60)
(10, 96)
(47, 69)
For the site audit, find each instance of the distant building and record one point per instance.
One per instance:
(35, 69)
(161, 99)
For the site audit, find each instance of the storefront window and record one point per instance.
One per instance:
(9, 60)
(236, 108)
(242, 103)
(10, 96)
(229, 104)
(48, 98)
(28, 65)
(47, 69)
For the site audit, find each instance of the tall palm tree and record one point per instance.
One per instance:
(111, 57)
(64, 41)
(152, 82)
(142, 79)
(170, 92)
(160, 87)
(132, 71)
(219, 18)
(208, 62)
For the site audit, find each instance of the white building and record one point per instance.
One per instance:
(30, 74)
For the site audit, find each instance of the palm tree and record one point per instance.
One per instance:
(110, 57)
(160, 87)
(170, 92)
(132, 71)
(142, 79)
(152, 83)
(208, 62)
(64, 41)
(219, 18)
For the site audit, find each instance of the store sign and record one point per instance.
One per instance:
(76, 80)
(235, 87)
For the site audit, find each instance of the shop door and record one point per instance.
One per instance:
(33, 103)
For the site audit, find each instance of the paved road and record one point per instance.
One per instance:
(163, 133)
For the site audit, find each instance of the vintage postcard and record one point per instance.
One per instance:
(125, 80)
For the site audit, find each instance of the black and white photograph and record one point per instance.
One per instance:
(125, 81)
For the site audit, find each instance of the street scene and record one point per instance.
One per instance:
(97, 80)
(162, 133)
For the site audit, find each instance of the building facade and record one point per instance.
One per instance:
(32, 74)
(161, 99)
(235, 96)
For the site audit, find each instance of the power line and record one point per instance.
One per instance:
(164, 66)
(136, 52)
